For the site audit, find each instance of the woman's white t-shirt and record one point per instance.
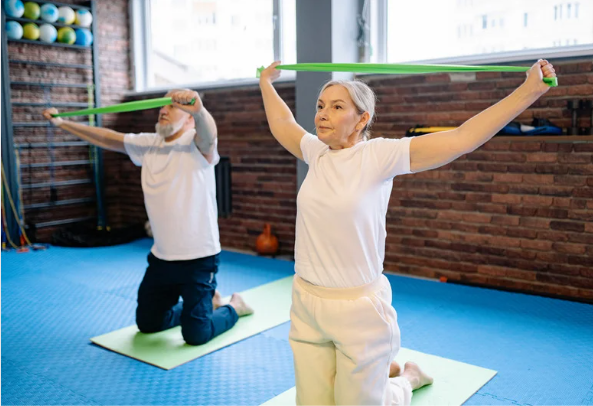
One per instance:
(342, 207)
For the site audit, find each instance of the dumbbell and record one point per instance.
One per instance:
(588, 105)
(574, 105)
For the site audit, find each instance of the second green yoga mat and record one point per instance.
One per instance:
(454, 381)
(167, 349)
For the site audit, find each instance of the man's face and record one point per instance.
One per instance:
(171, 119)
(171, 115)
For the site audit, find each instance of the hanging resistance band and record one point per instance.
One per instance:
(123, 107)
(401, 69)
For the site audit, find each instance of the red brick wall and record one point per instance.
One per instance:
(513, 214)
(114, 61)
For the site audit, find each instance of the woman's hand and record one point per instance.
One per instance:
(270, 74)
(540, 70)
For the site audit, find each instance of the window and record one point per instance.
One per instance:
(185, 39)
(505, 30)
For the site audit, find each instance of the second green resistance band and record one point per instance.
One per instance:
(122, 107)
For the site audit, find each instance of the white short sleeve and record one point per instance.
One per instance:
(311, 147)
(137, 145)
(392, 156)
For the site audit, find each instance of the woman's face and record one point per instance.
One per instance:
(337, 121)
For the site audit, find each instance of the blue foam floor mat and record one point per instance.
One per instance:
(55, 300)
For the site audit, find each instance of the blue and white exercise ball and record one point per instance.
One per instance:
(14, 30)
(14, 8)
(83, 18)
(49, 13)
(84, 37)
(66, 15)
(48, 33)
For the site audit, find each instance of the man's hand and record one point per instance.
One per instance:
(183, 98)
(56, 121)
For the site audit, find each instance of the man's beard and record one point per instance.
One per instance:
(167, 130)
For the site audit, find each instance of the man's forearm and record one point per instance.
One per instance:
(101, 137)
(206, 131)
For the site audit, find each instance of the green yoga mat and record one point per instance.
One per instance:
(402, 69)
(271, 303)
(454, 381)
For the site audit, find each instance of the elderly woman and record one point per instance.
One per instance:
(344, 333)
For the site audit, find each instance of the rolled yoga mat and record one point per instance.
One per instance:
(401, 69)
(122, 107)
(166, 349)
(454, 381)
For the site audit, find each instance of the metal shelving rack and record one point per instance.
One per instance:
(8, 146)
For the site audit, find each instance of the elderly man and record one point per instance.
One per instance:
(180, 197)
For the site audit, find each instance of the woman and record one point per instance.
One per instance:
(344, 333)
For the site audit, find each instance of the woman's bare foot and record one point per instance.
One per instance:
(416, 376)
(394, 369)
(217, 300)
(240, 306)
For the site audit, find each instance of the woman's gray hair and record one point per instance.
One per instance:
(363, 97)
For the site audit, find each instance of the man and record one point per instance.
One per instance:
(180, 198)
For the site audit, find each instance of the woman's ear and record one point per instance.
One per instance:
(364, 120)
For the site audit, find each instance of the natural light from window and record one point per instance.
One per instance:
(200, 41)
(438, 29)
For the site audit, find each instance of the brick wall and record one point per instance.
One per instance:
(514, 214)
(114, 61)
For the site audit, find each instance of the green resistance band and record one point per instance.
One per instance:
(402, 69)
(123, 107)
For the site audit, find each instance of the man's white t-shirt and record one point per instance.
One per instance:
(179, 194)
(342, 207)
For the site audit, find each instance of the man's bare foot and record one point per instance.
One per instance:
(240, 306)
(416, 376)
(394, 369)
(217, 300)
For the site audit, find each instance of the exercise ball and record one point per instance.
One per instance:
(66, 15)
(66, 35)
(32, 10)
(84, 18)
(14, 8)
(48, 33)
(14, 30)
(266, 243)
(49, 13)
(31, 31)
(83, 37)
